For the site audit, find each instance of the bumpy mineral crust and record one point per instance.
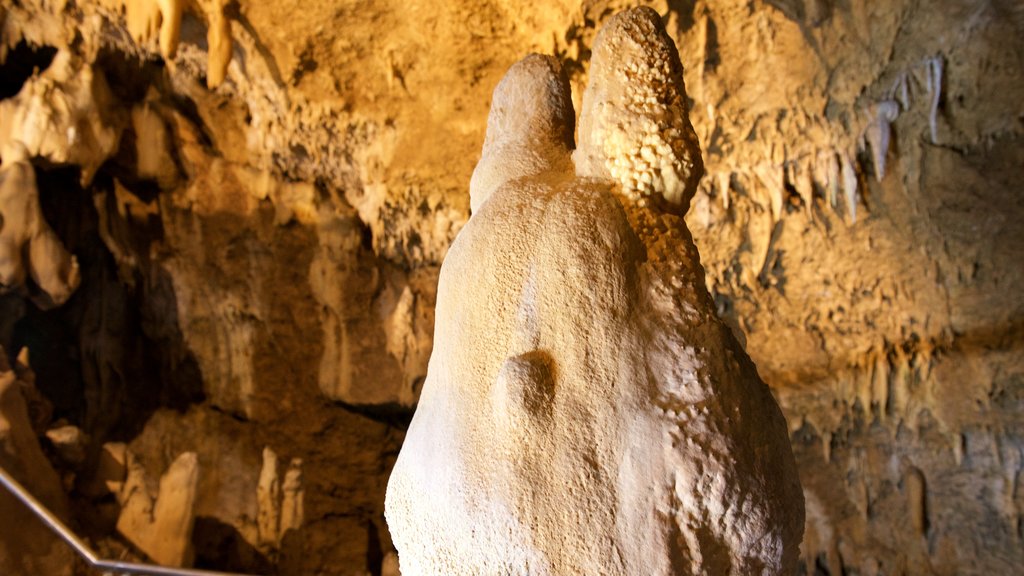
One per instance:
(634, 126)
(585, 411)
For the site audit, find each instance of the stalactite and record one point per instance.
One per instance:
(879, 131)
(724, 184)
(850, 185)
(959, 443)
(880, 384)
(933, 73)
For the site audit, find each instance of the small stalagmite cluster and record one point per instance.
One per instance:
(585, 411)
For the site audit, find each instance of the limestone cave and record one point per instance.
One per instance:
(719, 287)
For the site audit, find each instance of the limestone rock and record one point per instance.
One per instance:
(66, 114)
(279, 501)
(585, 411)
(218, 39)
(160, 22)
(31, 548)
(154, 146)
(28, 246)
(160, 523)
(69, 442)
(152, 20)
(110, 472)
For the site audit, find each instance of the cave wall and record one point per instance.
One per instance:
(259, 259)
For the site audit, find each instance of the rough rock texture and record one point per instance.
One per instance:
(160, 523)
(585, 411)
(27, 546)
(28, 246)
(259, 261)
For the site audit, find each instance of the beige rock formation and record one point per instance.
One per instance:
(218, 40)
(152, 20)
(28, 246)
(111, 470)
(69, 442)
(159, 22)
(154, 145)
(279, 501)
(160, 523)
(27, 546)
(585, 411)
(65, 115)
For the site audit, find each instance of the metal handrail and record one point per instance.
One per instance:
(82, 548)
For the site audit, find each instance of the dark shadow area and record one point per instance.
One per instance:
(393, 414)
(374, 551)
(219, 546)
(129, 77)
(113, 353)
(22, 61)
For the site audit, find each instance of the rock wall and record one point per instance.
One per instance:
(257, 233)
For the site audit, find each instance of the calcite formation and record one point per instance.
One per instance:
(150, 20)
(65, 115)
(28, 246)
(159, 522)
(585, 410)
(160, 22)
(279, 502)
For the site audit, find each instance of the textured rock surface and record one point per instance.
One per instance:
(585, 411)
(259, 261)
(28, 246)
(26, 544)
(160, 522)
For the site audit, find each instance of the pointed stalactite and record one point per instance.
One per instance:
(933, 73)
(880, 385)
(879, 132)
(724, 181)
(900, 90)
(833, 178)
(802, 180)
(922, 365)
(899, 384)
(959, 443)
(863, 383)
(772, 178)
(850, 186)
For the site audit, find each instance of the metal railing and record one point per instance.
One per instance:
(83, 549)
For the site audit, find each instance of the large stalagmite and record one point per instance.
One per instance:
(585, 411)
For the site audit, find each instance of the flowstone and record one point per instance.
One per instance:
(585, 411)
